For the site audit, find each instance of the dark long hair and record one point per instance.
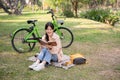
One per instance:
(46, 26)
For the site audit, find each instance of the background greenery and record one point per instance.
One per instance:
(102, 15)
(93, 9)
(98, 42)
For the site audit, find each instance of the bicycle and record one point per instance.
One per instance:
(24, 39)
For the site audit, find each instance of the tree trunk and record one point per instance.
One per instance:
(4, 8)
(75, 6)
(18, 9)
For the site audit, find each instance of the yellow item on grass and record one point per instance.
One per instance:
(77, 55)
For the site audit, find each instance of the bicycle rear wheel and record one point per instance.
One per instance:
(66, 36)
(18, 42)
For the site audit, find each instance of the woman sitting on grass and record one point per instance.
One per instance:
(48, 53)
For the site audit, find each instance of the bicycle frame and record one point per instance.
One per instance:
(35, 32)
(56, 25)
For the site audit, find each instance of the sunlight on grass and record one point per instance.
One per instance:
(103, 26)
(3, 13)
(25, 18)
(12, 20)
(85, 23)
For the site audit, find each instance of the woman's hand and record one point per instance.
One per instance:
(49, 47)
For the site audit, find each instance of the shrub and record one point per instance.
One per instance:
(111, 19)
(96, 14)
(68, 13)
(102, 15)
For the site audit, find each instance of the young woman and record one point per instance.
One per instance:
(48, 53)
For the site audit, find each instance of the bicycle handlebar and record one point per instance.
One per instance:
(51, 11)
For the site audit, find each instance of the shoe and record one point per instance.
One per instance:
(33, 65)
(39, 67)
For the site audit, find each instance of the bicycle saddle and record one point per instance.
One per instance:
(31, 21)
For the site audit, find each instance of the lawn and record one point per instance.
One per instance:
(98, 42)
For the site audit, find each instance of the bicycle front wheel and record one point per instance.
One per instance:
(66, 36)
(18, 42)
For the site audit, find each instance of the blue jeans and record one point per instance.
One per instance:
(45, 55)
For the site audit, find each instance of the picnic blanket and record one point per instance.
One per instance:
(61, 64)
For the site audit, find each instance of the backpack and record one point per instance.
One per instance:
(77, 59)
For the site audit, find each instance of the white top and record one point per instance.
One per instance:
(56, 49)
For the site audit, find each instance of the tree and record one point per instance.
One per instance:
(12, 6)
(75, 6)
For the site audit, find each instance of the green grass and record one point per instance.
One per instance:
(98, 42)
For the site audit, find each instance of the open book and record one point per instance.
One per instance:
(47, 43)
